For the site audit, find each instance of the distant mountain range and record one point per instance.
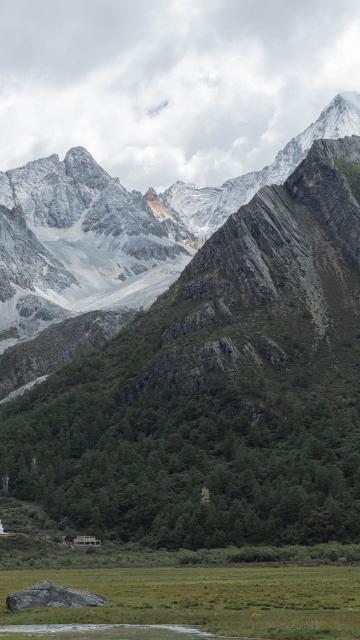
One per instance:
(78, 240)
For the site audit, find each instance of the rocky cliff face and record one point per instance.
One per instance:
(195, 206)
(53, 192)
(325, 183)
(174, 226)
(24, 262)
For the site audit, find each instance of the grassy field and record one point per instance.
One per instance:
(292, 603)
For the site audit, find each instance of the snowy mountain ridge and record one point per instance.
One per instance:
(75, 239)
(206, 209)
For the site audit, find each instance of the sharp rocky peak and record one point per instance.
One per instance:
(79, 156)
(151, 193)
(349, 99)
(81, 166)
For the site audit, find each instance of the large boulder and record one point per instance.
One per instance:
(48, 594)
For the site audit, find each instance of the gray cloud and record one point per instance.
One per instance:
(59, 41)
(154, 111)
(162, 90)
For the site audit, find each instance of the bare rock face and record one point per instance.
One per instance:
(272, 352)
(24, 261)
(219, 355)
(211, 314)
(267, 288)
(49, 594)
(57, 345)
(250, 253)
(321, 184)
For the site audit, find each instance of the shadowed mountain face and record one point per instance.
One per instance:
(285, 267)
(242, 377)
(31, 360)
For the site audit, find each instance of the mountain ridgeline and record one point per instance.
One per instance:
(205, 209)
(77, 238)
(243, 379)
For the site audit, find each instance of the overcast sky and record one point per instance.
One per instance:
(160, 90)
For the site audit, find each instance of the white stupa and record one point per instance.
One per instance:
(2, 532)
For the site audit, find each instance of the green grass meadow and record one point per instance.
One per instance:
(288, 602)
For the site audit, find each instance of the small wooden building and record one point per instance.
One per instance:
(86, 541)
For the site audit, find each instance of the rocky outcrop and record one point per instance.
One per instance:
(211, 314)
(85, 173)
(48, 594)
(219, 355)
(46, 194)
(187, 371)
(56, 346)
(116, 211)
(272, 352)
(171, 221)
(194, 205)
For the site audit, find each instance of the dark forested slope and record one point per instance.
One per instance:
(229, 412)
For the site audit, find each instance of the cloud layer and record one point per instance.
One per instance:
(165, 90)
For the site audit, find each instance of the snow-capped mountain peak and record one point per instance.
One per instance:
(340, 118)
(206, 209)
(346, 101)
(74, 236)
(86, 172)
